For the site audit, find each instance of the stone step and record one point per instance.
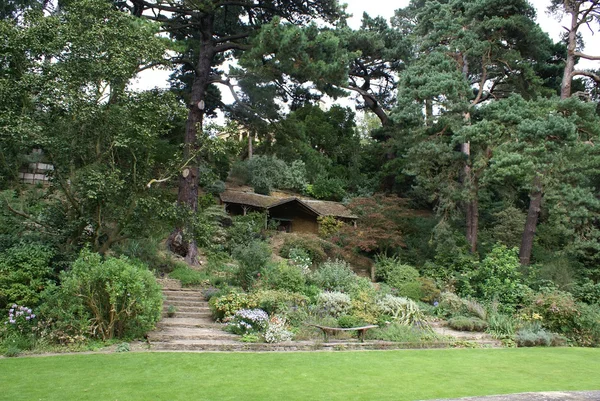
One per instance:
(202, 314)
(199, 334)
(179, 309)
(183, 297)
(187, 322)
(178, 302)
(183, 293)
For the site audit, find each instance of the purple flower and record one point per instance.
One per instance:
(27, 317)
(32, 316)
(436, 303)
(11, 310)
(11, 321)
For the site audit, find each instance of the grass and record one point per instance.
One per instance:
(389, 375)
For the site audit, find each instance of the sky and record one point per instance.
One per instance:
(386, 8)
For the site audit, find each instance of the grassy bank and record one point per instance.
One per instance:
(392, 375)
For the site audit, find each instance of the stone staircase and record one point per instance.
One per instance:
(191, 328)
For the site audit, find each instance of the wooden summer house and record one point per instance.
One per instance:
(292, 214)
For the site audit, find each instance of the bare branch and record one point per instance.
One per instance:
(586, 56)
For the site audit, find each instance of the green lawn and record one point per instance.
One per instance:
(389, 375)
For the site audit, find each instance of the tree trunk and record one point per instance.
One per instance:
(565, 87)
(250, 149)
(188, 180)
(535, 204)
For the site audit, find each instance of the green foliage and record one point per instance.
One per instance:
(464, 323)
(188, 276)
(277, 301)
(266, 173)
(328, 226)
(284, 276)
(588, 292)
(498, 279)
(252, 259)
(334, 303)
(225, 306)
(401, 310)
(451, 304)
(349, 321)
(364, 306)
(25, 271)
(313, 246)
(540, 337)
(327, 188)
(501, 325)
(244, 230)
(334, 276)
(398, 332)
(123, 347)
(122, 299)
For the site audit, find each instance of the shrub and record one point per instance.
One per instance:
(286, 277)
(398, 332)
(188, 277)
(334, 303)
(327, 188)
(225, 306)
(276, 331)
(557, 308)
(588, 292)
(429, 290)
(121, 298)
(498, 279)
(267, 172)
(464, 323)
(401, 310)
(334, 276)
(300, 258)
(451, 304)
(539, 337)
(501, 325)
(275, 301)
(365, 307)
(328, 226)
(252, 259)
(24, 273)
(244, 230)
(349, 321)
(248, 321)
(313, 246)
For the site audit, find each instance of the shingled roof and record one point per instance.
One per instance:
(248, 198)
(320, 208)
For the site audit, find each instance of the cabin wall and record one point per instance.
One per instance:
(302, 221)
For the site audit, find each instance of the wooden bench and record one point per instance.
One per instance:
(331, 330)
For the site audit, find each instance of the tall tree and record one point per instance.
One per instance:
(580, 13)
(469, 53)
(210, 31)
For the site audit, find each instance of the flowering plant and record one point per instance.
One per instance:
(20, 318)
(249, 321)
(276, 331)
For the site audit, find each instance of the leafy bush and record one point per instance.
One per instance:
(252, 259)
(588, 292)
(276, 331)
(498, 279)
(401, 310)
(464, 323)
(539, 337)
(557, 308)
(24, 273)
(313, 246)
(349, 321)
(334, 276)
(300, 258)
(398, 332)
(329, 225)
(188, 276)
(451, 304)
(365, 307)
(225, 306)
(327, 188)
(501, 325)
(265, 173)
(334, 303)
(121, 298)
(276, 301)
(244, 230)
(248, 321)
(283, 276)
